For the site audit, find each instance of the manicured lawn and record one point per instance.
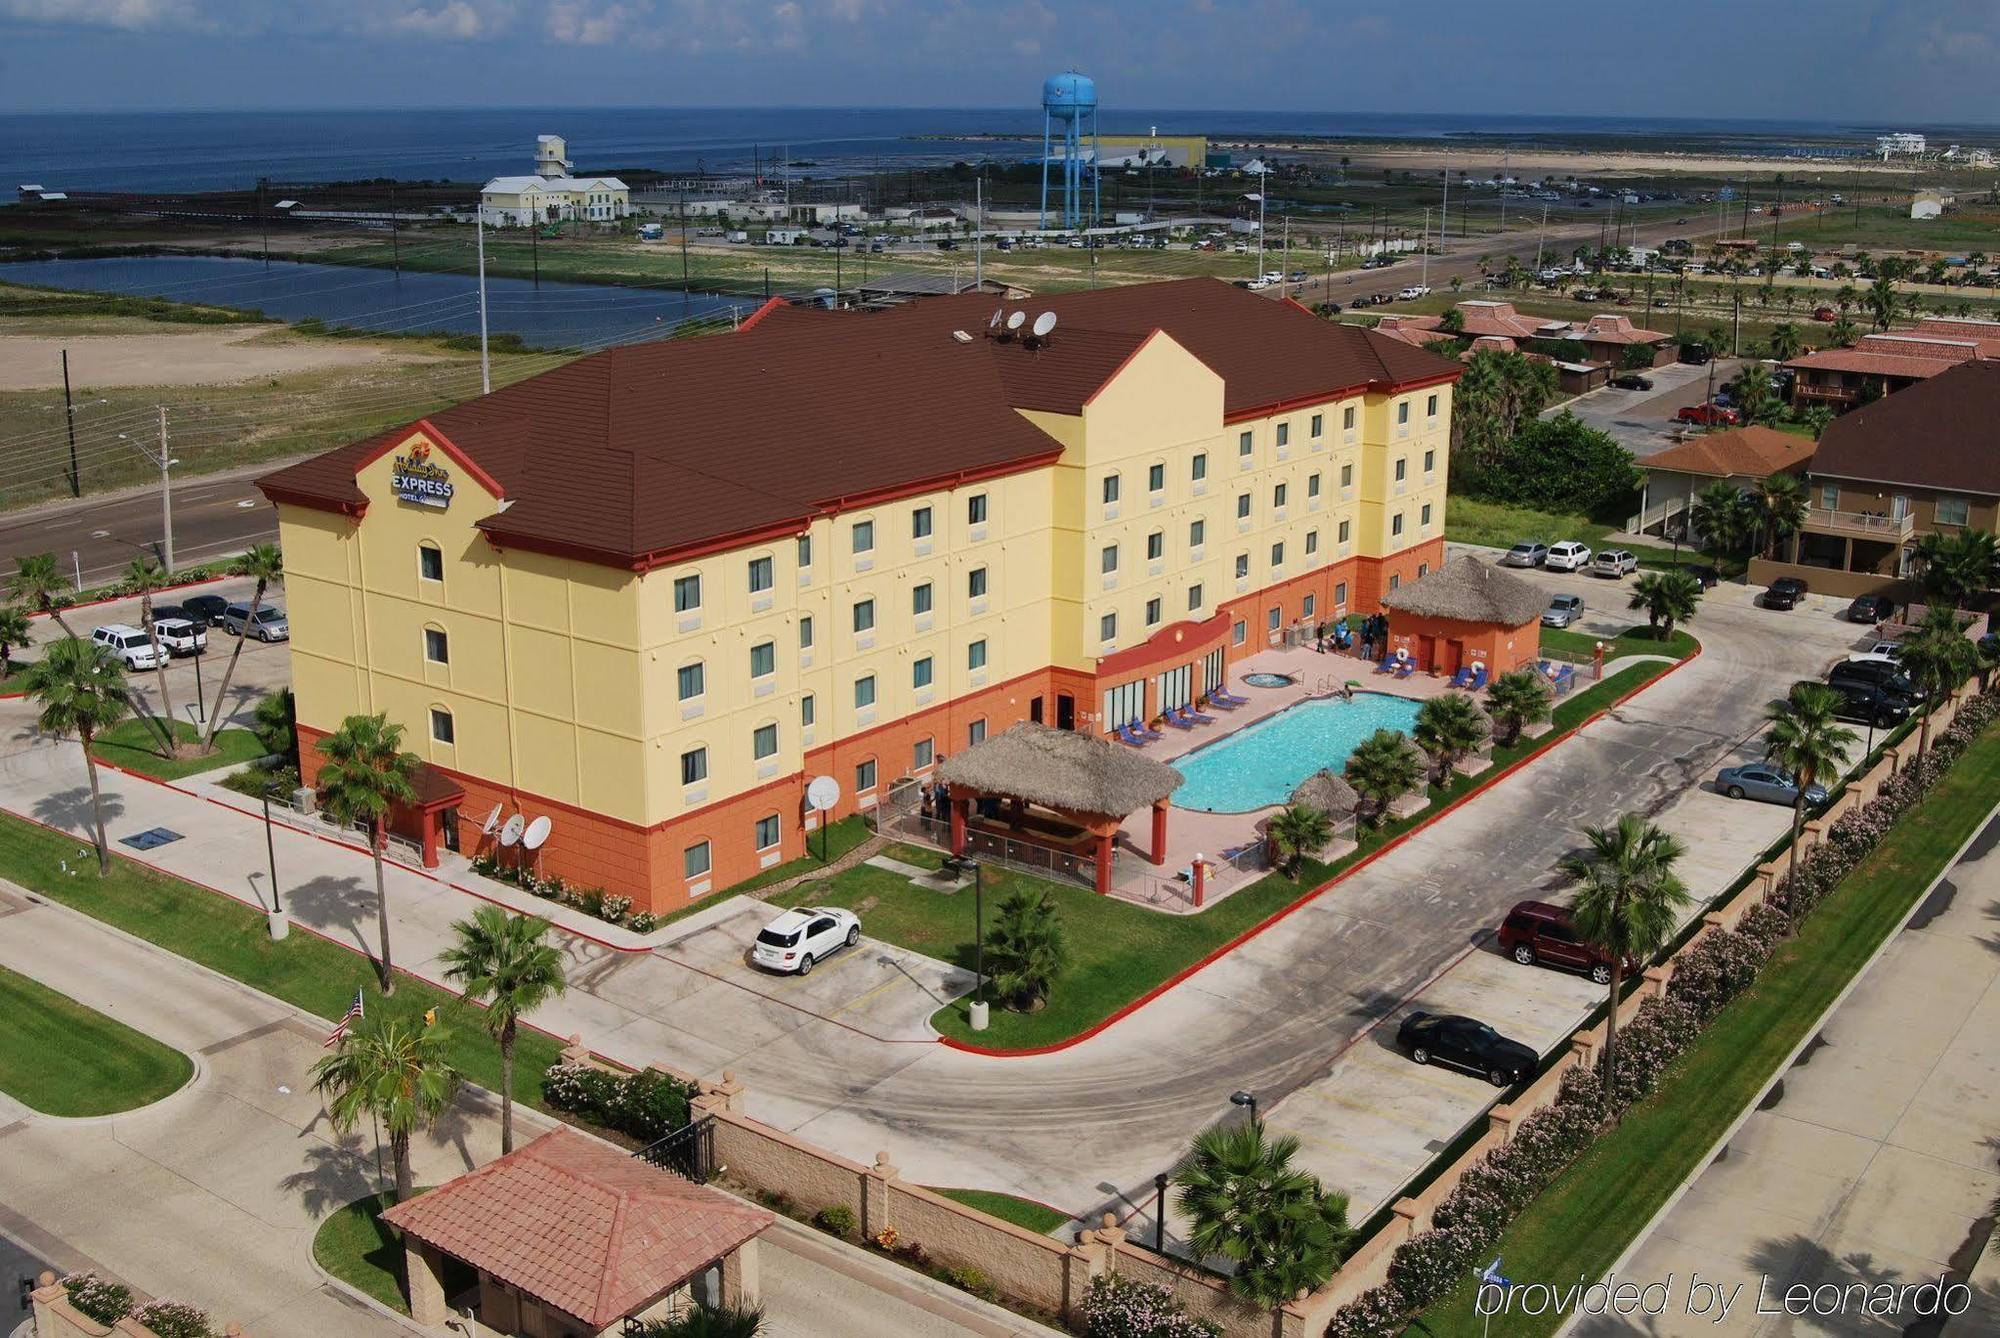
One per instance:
(1119, 951)
(1588, 1217)
(14, 681)
(1472, 520)
(356, 1246)
(1036, 1217)
(135, 745)
(62, 1058)
(305, 970)
(1632, 641)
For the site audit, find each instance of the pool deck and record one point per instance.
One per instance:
(1192, 832)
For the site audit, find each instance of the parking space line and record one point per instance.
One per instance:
(787, 1003)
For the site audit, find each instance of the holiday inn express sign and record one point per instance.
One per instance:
(416, 479)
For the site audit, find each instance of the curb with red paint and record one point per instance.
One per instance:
(157, 590)
(1253, 931)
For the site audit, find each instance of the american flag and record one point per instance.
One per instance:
(340, 1027)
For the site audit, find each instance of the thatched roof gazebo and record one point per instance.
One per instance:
(1092, 782)
(1466, 613)
(1328, 792)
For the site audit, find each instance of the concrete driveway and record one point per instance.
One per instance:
(1642, 421)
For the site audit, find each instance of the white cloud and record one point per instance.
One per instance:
(456, 20)
(127, 14)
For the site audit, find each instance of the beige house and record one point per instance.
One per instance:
(1743, 457)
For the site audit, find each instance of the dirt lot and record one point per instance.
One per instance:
(147, 355)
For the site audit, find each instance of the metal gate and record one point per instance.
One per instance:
(688, 1152)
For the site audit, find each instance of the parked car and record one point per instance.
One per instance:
(1525, 555)
(1563, 610)
(205, 608)
(1696, 355)
(1568, 556)
(1771, 785)
(1536, 931)
(1706, 577)
(1466, 1043)
(1708, 415)
(166, 612)
(1869, 609)
(1614, 562)
(1413, 292)
(1296, 276)
(1785, 593)
(1888, 649)
(1827, 314)
(1883, 673)
(1869, 704)
(269, 625)
(180, 636)
(1632, 381)
(803, 936)
(129, 645)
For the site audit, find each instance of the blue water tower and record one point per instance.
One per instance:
(1069, 114)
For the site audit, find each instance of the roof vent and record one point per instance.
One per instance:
(961, 336)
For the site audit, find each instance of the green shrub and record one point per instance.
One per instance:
(969, 1279)
(837, 1219)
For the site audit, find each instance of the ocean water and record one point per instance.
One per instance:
(165, 151)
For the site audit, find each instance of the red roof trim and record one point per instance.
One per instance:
(1331, 396)
(445, 444)
(770, 304)
(283, 496)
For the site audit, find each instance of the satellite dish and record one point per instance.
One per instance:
(1014, 321)
(538, 832)
(823, 793)
(487, 827)
(999, 314)
(1043, 324)
(512, 831)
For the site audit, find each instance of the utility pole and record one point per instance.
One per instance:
(1541, 241)
(978, 231)
(1444, 208)
(395, 236)
(166, 499)
(1425, 279)
(485, 366)
(535, 250)
(684, 238)
(69, 418)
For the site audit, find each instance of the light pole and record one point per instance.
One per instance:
(1160, 1213)
(978, 932)
(274, 919)
(1248, 1100)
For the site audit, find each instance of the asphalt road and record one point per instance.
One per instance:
(214, 516)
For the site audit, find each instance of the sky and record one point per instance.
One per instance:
(1886, 62)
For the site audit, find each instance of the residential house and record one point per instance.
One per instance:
(1880, 364)
(1741, 456)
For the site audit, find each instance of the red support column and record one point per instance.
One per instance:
(1104, 864)
(960, 810)
(432, 834)
(1200, 880)
(1160, 832)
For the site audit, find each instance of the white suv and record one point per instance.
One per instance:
(1567, 556)
(132, 646)
(179, 636)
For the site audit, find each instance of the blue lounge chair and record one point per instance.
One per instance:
(1187, 715)
(1462, 679)
(1479, 676)
(1175, 719)
(1406, 668)
(1125, 733)
(1223, 703)
(1388, 666)
(1199, 718)
(1226, 697)
(1145, 733)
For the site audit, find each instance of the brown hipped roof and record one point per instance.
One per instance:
(641, 454)
(1467, 590)
(589, 1229)
(1058, 768)
(1749, 452)
(1941, 433)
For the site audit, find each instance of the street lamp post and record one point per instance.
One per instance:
(1160, 1213)
(1247, 1100)
(275, 919)
(978, 1010)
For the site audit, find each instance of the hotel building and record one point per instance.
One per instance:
(654, 593)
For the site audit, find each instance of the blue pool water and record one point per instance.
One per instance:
(1263, 763)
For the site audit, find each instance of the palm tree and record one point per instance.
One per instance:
(1026, 950)
(1668, 597)
(38, 584)
(1516, 700)
(1954, 567)
(1937, 657)
(266, 564)
(1628, 898)
(1299, 830)
(700, 1321)
(394, 1069)
(145, 576)
(367, 773)
(505, 961)
(1447, 728)
(81, 690)
(14, 631)
(1382, 769)
(1782, 506)
(1755, 400)
(1245, 1202)
(1716, 516)
(1808, 742)
(1883, 302)
(1843, 331)
(1786, 341)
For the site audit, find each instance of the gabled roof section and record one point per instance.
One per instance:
(1739, 452)
(1940, 433)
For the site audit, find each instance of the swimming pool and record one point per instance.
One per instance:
(1262, 764)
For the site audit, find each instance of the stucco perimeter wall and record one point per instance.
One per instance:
(55, 1317)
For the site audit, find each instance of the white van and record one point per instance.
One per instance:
(132, 647)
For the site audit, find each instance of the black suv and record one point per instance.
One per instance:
(1876, 673)
(1869, 703)
(1466, 1043)
(1869, 609)
(1785, 593)
(205, 609)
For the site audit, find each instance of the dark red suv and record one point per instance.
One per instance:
(1535, 931)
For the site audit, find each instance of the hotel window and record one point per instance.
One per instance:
(1953, 510)
(764, 742)
(923, 754)
(1403, 413)
(1345, 528)
(1402, 468)
(1396, 523)
(694, 766)
(768, 832)
(437, 646)
(808, 711)
(1275, 618)
(864, 692)
(1242, 565)
(1200, 469)
(1277, 555)
(920, 599)
(1243, 506)
(1423, 570)
(441, 727)
(1279, 493)
(975, 583)
(806, 632)
(1307, 605)
(760, 575)
(920, 523)
(975, 733)
(864, 776)
(1110, 489)
(430, 562)
(1243, 443)
(1430, 461)
(920, 673)
(1395, 582)
(1107, 561)
(1107, 627)
(763, 659)
(1431, 407)
(805, 550)
(1156, 478)
(864, 536)
(975, 509)
(1312, 486)
(1424, 516)
(1312, 542)
(1156, 545)
(1153, 612)
(1340, 594)
(1318, 424)
(692, 681)
(695, 861)
(1347, 419)
(1284, 434)
(687, 594)
(1239, 633)
(864, 616)
(1197, 531)
(1194, 597)
(975, 654)
(1347, 476)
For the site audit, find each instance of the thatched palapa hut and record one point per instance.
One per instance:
(1465, 613)
(1088, 781)
(1329, 792)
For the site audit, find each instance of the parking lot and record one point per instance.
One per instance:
(1642, 421)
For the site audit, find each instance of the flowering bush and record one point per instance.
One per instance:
(1115, 1306)
(1715, 970)
(645, 922)
(887, 1238)
(1379, 1312)
(105, 1302)
(174, 1319)
(646, 1105)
